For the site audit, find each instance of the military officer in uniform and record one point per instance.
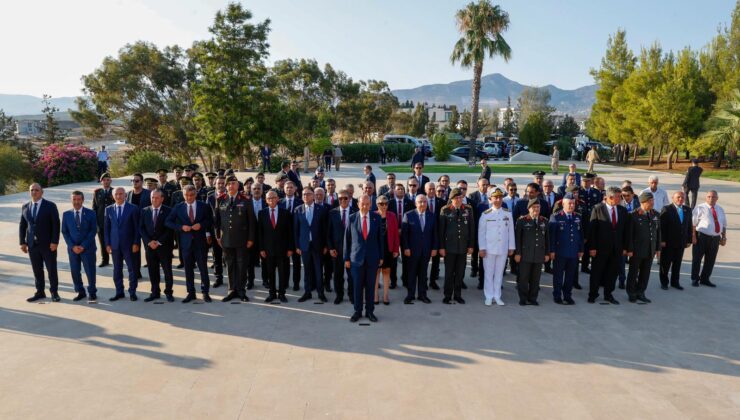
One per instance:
(456, 233)
(167, 187)
(201, 192)
(566, 248)
(177, 169)
(532, 250)
(151, 183)
(496, 244)
(217, 251)
(644, 243)
(177, 198)
(211, 187)
(102, 198)
(591, 196)
(235, 233)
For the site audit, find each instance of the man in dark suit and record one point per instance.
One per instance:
(157, 239)
(369, 175)
(675, 230)
(336, 225)
(289, 203)
(275, 233)
(295, 178)
(79, 226)
(435, 204)
(572, 170)
(608, 238)
(192, 220)
(235, 230)
(363, 254)
(691, 182)
(122, 239)
(475, 199)
(421, 179)
(418, 157)
(216, 250)
(485, 171)
(419, 244)
(387, 189)
(39, 238)
(140, 197)
(533, 192)
(257, 202)
(399, 205)
(102, 198)
(308, 231)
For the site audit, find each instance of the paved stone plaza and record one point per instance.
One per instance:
(678, 357)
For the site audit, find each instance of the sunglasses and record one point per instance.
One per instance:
(344, 198)
(382, 204)
(413, 185)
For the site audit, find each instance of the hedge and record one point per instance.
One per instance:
(361, 153)
(145, 161)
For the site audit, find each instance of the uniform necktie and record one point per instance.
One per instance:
(716, 220)
(35, 210)
(421, 216)
(680, 214)
(191, 215)
(231, 202)
(364, 227)
(344, 218)
(614, 218)
(272, 217)
(77, 218)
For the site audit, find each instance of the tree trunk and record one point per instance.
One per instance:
(477, 71)
(660, 153)
(240, 160)
(652, 156)
(217, 163)
(635, 151)
(720, 158)
(669, 160)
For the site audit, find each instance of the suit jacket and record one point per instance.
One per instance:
(370, 177)
(309, 237)
(602, 237)
(335, 228)
(565, 178)
(83, 236)
(159, 232)
(406, 205)
(178, 218)
(43, 231)
(332, 203)
(296, 180)
(386, 190)
(555, 198)
(421, 243)
(277, 241)
(124, 232)
(674, 233)
(691, 180)
(417, 158)
(144, 201)
(359, 250)
(283, 204)
(438, 204)
(422, 183)
(392, 232)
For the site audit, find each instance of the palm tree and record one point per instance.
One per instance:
(481, 25)
(724, 127)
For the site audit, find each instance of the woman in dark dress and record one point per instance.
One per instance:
(389, 228)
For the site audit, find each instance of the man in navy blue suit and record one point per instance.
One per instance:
(141, 198)
(290, 202)
(79, 227)
(39, 238)
(309, 221)
(157, 239)
(192, 220)
(363, 254)
(337, 223)
(419, 244)
(122, 240)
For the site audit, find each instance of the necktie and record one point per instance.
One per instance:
(344, 218)
(550, 200)
(119, 212)
(614, 218)
(431, 205)
(421, 217)
(272, 217)
(35, 211)
(680, 214)
(191, 214)
(309, 215)
(400, 212)
(77, 218)
(716, 220)
(156, 213)
(364, 227)
(331, 199)
(231, 202)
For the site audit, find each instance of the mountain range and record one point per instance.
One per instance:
(20, 105)
(495, 89)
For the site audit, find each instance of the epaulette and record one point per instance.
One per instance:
(487, 211)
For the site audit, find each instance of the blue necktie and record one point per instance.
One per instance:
(680, 214)
(35, 211)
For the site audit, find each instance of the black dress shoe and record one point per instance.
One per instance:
(621, 286)
(189, 298)
(611, 300)
(328, 289)
(447, 301)
(116, 297)
(387, 302)
(533, 303)
(664, 287)
(480, 286)
(523, 303)
(460, 300)
(269, 299)
(250, 286)
(464, 286)
(244, 298)
(559, 301)
(592, 300)
(207, 297)
(305, 297)
(338, 300)
(217, 283)
(577, 286)
(79, 297)
(133, 297)
(355, 317)
(372, 318)
(170, 298)
(181, 265)
(642, 298)
(569, 301)
(152, 297)
(434, 286)
(102, 264)
(677, 286)
(586, 270)
(707, 283)
(408, 301)
(425, 299)
(36, 297)
(55, 297)
(323, 298)
(474, 274)
(229, 297)
(92, 298)
(283, 298)
(632, 299)
(296, 288)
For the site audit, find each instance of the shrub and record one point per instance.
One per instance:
(276, 162)
(361, 152)
(565, 147)
(13, 167)
(441, 147)
(65, 164)
(146, 161)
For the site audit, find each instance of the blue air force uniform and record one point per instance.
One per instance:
(566, 241)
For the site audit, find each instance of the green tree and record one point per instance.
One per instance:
(568, 127)
(465, 124)
(722, 128)
(13, 167)
(7, 126)
(454, 121)
(441, 148)
(52, 132)
(536, 131)
(481, 25)
(369, 111)
(431, 126)
(533, 100)
(419, 120)
(234, 108)
(508, 126)
(720, 60)
(401, 122)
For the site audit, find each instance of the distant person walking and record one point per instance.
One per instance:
(691, 182)
(383, 154)
(592, 157)
(555, 160)
(265, 153)
(103, 159)
(337, 157)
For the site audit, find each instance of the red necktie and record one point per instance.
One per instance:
(272, 217)
(190, 213)
(716, 220)
(400, 213)
(364, 227)
(614, 219)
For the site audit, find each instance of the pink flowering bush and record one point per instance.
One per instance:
(65, 164)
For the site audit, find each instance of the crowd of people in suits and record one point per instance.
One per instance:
(337, 241)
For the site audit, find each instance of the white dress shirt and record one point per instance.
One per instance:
(660, 198)
(703, 219)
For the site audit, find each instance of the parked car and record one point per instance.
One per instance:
(492, 149)
(404, 139)
(464, 152)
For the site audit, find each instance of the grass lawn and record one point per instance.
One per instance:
(723, 174)
(523, 168)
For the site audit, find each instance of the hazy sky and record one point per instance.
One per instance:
(48, 44)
